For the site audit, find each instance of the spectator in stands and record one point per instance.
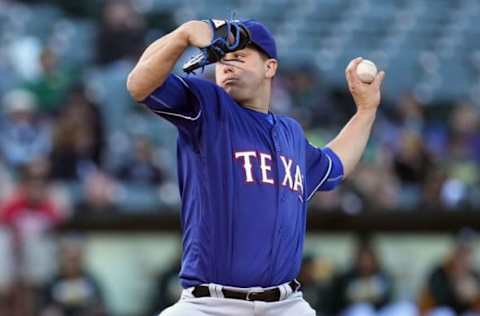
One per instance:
(465, 129)
(167, 289)
(141, 169)
(376, 185)
(23, 136)
(315, 275)
(461, 163)
(121, 34)
(365, 288)
(78, 139)
(412, 165)
(30, 211)
(412, 162)
(52, 85)
(453, 287)
(73, 291)
(30, 214)
(411, 113)
(98, 195)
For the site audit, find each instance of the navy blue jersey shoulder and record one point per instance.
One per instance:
(245, 178)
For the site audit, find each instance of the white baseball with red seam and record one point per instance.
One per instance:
(366, 71)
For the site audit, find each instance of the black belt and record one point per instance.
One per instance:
(272, 295)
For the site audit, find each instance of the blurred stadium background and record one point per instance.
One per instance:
(88, 198)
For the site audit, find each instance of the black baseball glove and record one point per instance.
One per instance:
(228, 36)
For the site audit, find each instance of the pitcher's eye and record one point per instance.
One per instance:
(235, 59)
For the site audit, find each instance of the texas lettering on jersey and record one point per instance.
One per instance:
(291, 179)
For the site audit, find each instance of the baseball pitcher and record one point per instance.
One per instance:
(245, 174)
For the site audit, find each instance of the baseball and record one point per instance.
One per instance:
(366, 71)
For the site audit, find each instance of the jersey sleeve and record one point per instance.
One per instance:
(324, 169)
(181, 100)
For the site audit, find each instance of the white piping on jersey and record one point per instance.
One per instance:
(327, 174)
(190, 118)
(183, 81)
(160, 101)
(334, 179)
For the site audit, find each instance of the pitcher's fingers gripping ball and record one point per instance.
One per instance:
(366, 71)
(366, 95)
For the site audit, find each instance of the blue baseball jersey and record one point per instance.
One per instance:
(245, 178)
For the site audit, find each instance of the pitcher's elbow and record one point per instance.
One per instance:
(134, 88)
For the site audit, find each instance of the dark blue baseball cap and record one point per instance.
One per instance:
(261, 37)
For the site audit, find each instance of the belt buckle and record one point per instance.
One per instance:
(249, 295)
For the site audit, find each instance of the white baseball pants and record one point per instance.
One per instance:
(216, 305)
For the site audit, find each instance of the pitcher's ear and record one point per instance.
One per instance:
(271, 66)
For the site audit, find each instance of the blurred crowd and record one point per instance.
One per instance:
(367, 288)
(73, 143)
(53, 127)
(41, 278)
